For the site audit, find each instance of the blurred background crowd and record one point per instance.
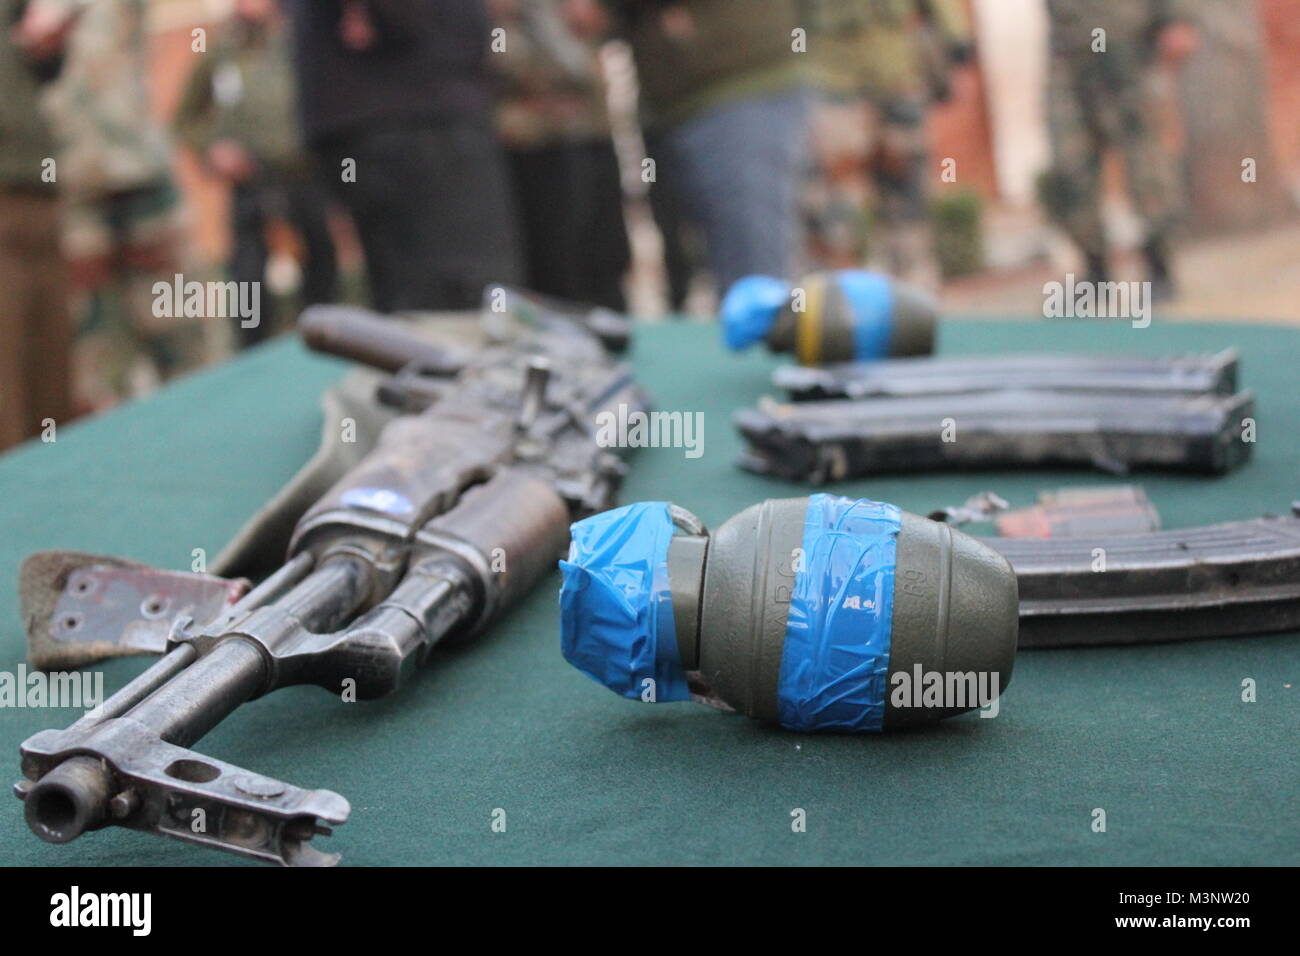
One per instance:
(637, 154)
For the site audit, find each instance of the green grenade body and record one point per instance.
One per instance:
(818, 324)
(955, 606)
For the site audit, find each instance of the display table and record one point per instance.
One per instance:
(1157, 736)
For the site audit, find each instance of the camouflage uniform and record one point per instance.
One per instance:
(551, 88)
(879, 64)
(1103, 100)
(553, 120)
(243, 91)
(122, 216)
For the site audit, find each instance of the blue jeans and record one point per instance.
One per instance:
(734, 170)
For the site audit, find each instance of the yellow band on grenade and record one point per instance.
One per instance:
(808, 323)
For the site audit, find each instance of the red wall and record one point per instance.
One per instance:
(1281, 21)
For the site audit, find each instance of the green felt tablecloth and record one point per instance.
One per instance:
(1157, 736)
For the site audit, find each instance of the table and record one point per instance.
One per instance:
(1157, 736)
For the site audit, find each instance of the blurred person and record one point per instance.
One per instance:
(238, 114)
(121, 221)
(724, 102)
(1098, 101)
(554, 122)
(682, 256)
(396, 103)
(879, 66)
(35, 326)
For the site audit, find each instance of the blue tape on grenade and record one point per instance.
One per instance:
(750, 308)
(835, 662)
(616, 612)
(871, 303)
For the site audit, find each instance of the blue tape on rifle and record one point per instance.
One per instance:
(616, 611)
(871, 303)
(835, 665)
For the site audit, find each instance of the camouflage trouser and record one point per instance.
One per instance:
(1094, 105)
(869, 180)
(117, 247)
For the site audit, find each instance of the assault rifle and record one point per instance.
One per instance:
(462, 506)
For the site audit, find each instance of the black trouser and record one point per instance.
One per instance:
(680, 265)
(302, 204)
(571, 213)
(433, 210)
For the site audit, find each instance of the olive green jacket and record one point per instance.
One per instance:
(243, 90)
(693, 54)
